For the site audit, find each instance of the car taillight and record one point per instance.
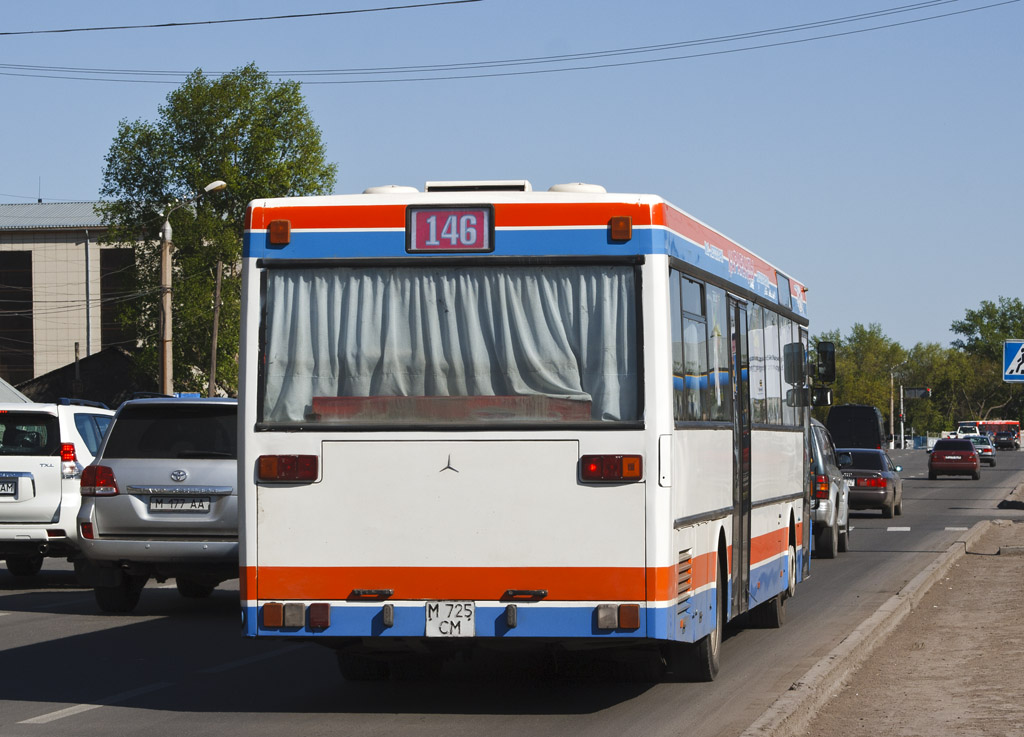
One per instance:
(821, 486)
(287, 468)
(69, 467)
(98, 481)
(611, 468)
(869, 482)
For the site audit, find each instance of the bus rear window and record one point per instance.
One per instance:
(399, 346)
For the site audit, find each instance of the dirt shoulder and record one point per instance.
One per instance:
(955, 664)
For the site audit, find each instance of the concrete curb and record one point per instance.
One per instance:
(792, 712)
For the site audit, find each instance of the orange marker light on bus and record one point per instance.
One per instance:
(280, 232)
(611, 468)
(620, 228)
(287, 468)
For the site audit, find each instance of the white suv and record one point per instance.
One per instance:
(43, 448)
(830, 496)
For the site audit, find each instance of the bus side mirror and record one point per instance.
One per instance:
(793, 364)
(821, 396)
(826, 362)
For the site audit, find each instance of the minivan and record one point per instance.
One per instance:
(857, 426)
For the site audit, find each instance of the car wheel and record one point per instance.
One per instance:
(193, 589)
(976, 475)
(122, 598)
(827, 543)
(932, 475)
(24, 566)
(898, 508)
(889, 510)
(844, 538)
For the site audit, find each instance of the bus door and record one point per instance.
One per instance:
(741, 457)
(805, 541)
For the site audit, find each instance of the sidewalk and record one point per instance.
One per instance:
(943, 658)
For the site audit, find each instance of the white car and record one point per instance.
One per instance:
(43, 448)
(830, 496)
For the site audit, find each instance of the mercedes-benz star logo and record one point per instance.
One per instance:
(179, 475)
(449, 467)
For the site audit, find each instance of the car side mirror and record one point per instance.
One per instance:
(899, 469)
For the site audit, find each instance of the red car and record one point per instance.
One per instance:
(953, 457)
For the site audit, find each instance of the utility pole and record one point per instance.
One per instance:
(166, 344)
(216, 321)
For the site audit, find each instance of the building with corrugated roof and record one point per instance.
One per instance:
(58, 287)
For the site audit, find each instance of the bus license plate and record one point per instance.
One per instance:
(451, 619)
(179, 504)
(8, 486)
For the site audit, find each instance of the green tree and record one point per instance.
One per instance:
(983, 393)
(256, 135)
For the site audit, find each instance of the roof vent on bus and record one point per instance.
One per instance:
(498, 185)
(390, 189)
(578, 188)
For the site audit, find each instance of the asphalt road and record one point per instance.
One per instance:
(179, 666)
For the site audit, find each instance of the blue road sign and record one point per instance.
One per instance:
(1013, 360)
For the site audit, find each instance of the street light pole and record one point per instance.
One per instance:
(166, 244)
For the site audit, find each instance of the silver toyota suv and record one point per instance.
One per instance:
(159, 501)
(830, 496)
(43, 448)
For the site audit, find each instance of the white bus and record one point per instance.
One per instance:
(478, 415)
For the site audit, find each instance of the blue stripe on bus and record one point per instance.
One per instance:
(659, 622)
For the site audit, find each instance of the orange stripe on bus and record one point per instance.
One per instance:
(506, 215)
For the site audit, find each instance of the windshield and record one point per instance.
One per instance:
(399, 345)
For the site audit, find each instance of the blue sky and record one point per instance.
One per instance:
(882, 168)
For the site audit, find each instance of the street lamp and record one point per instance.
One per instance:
(892, 420)
(166, 344)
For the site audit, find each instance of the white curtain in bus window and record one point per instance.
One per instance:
(755, 337)
(772, 368)
(565, 336)
(719, 388)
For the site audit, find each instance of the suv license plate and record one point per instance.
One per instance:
(179, 504)
(451, 619)
(8, 486)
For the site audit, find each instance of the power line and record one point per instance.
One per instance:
(289, 16)
(64, 72)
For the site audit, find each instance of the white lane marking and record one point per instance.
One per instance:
(957, 529)
(897, 529)
(80, 708)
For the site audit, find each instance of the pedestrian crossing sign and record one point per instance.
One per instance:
(1013, 360)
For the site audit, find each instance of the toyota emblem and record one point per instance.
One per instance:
(179, 475)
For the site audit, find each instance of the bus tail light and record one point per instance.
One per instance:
(98, 481)
(821, 486)
(287, 468)
(611, 468)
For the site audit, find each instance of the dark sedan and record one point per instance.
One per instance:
(953, 457)
(875, 481)
(1006, 440)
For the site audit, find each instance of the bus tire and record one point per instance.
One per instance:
(705, 654)
(358, 667)
(772, 613)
